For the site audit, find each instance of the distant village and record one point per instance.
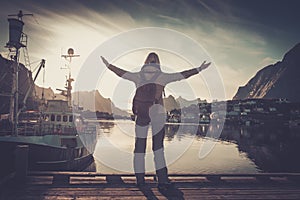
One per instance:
(273, 112)
(241, 112)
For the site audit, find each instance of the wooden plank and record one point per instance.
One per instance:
(87, 186)
(212, 193)
(114, 179)
(51, 173)
(61, 179)
(48, 173)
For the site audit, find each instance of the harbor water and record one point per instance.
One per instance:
(236, 150)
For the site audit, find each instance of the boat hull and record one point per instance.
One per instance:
(45, 157)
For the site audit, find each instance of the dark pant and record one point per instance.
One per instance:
(143, 122)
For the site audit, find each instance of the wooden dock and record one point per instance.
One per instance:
(92, 186)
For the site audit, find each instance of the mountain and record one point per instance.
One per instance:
(186, 103)
(280, 80)
(170, 103)
(6, 80)
(89, 100)
(48, 92)
(94, 101)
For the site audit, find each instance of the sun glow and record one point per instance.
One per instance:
(52, 35)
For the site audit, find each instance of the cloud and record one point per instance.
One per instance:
(234, 36)
(267, 61)
(171, 20)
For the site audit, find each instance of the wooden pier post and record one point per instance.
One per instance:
(21, 162)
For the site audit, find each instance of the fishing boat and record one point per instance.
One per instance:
(57, 136)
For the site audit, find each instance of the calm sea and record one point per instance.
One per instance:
(190, 148)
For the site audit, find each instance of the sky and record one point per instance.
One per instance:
(239, 37)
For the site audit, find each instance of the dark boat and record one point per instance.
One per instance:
(55, 141)
(58, 138)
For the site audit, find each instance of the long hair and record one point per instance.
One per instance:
(152, 58)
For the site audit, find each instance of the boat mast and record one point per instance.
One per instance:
(17, 40)
(69, 57)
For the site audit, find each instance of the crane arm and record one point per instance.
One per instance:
(42, 65)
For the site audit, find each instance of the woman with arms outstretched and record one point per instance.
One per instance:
(148, 105)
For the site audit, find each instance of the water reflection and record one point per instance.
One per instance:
(273, 149)
(106, 126)
(237, 150)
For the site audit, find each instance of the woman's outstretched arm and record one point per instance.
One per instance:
(171, 77)
(120, 72)
(191, 72)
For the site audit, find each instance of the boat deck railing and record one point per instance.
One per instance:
(36, 129)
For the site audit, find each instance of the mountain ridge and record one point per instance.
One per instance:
(279, 80)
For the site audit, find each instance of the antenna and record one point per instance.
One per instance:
(69, 57)
(20, 15)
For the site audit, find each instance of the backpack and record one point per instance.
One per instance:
(147, 94)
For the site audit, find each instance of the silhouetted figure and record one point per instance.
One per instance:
(148, 107)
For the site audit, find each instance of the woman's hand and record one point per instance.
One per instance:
(204, 65)
(105, 61)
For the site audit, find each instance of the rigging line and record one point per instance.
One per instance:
(24, 81)
(35, 19)
(46, 32)
(37, 66)
(3, 76)
(35, 61)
